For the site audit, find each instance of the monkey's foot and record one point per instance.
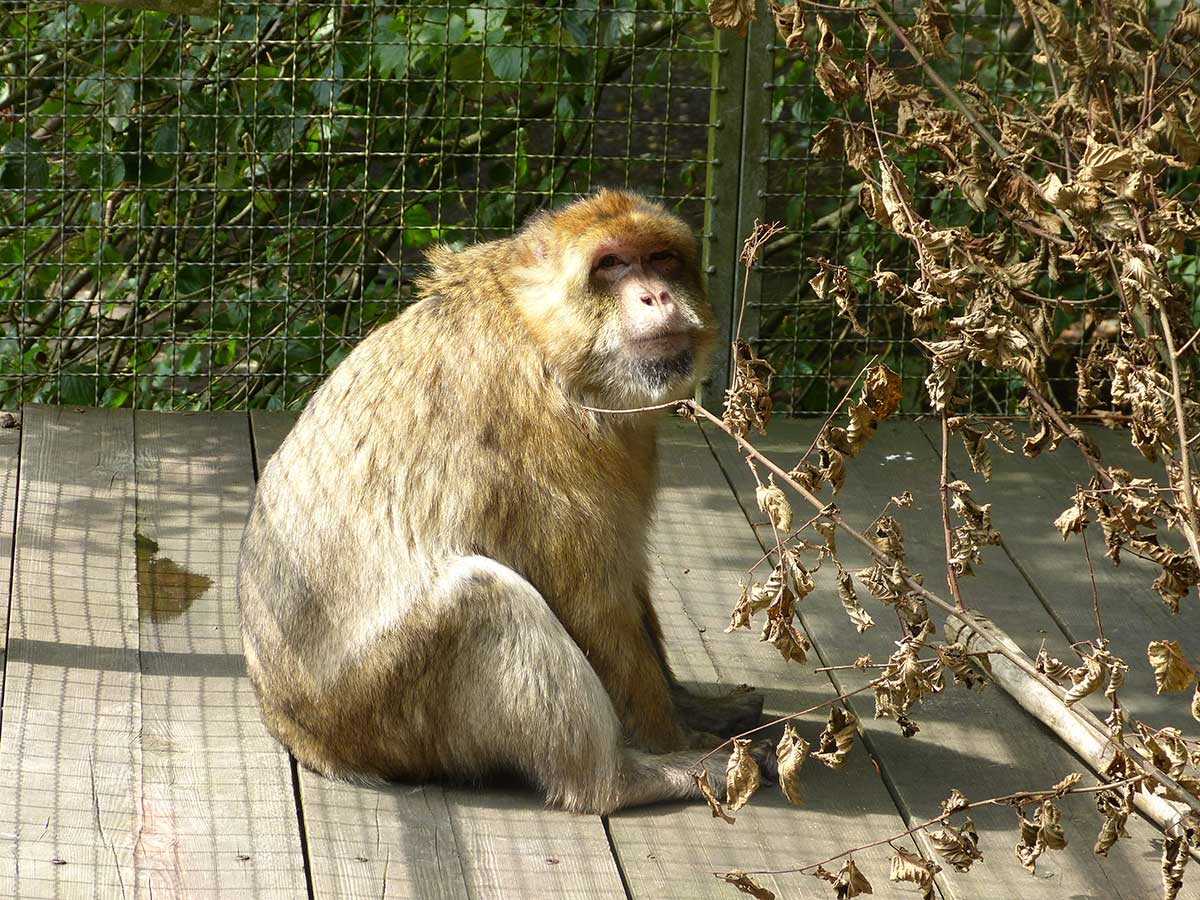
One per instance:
(727, 715)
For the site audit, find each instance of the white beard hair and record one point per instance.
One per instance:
(623, 383)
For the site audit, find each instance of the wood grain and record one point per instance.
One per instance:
(70, 758)
(219, 814)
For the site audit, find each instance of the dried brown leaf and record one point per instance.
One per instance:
(896, 196)
(1115, 806)
(1073, 519)
(740, 617)
(1064, 786)
(1172, 672)
(860, 617)
(790, 754)
(1174, 858)
(911, 867)
(772, 501)
(790, 23)
(701, 780)
(734, 15)
(746, 884)
(1165, 748)
(977, 451)
(887, 536)
(828, 532)
(748, 401)
(834, 82)
(1051, 667)
(959, 847)
(954, 802)
(787, 639)
(1041, 833)
(837, 738)
(1089, 677)
(931, 29)
(906, 680)
(741, 776)
(848, 882)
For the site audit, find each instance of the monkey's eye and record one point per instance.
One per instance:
(608, 262)
(661, 255)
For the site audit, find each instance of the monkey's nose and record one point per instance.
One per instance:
(663, 299)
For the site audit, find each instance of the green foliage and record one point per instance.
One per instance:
(202, 213)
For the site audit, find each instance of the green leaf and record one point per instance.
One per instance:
(507, 63)
(75, 390)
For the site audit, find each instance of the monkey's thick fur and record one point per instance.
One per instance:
(444, 571)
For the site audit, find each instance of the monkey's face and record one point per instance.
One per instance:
(611, 291)
(657, 326)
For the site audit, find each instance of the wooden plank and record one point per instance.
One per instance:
(424, 841)
(978, 741)
(69, 753)
(220, 819)
(1035, 491)
(701, 545)
(10, 449)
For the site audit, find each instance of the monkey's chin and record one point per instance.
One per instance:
(664, 378)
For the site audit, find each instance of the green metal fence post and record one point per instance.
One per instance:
(736, 180)
(752, 192)
(720, 246)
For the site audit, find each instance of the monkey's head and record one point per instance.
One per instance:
(611, 289)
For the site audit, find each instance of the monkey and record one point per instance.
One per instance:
(444, 572)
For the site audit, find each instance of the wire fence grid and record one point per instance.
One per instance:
(203, 212)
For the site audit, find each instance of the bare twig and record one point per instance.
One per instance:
(836, 410)
(944, 490)
(1019, 798)
(1087, 554)
(1192, 531)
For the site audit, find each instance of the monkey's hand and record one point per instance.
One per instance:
(726, 715)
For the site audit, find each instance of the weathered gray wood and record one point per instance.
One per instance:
(425, 841)
(10, 448)
(979, 742)
(1034, 492)
(219, 815)
(70, 760)
(702, 543)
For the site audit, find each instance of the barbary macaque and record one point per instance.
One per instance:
(444, 573)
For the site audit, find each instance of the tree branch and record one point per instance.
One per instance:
(207, 8)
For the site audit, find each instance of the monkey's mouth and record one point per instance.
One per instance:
(662, 346)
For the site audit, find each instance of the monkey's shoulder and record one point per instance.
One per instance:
(478, 272)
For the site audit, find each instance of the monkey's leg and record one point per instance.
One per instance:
(520, 694)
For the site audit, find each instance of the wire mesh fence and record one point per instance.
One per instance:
(208, 212)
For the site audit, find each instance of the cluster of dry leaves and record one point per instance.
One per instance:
(1081, 191)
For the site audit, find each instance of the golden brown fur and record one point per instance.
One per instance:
(444, 571)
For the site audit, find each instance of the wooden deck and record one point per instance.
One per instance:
(133, 762)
